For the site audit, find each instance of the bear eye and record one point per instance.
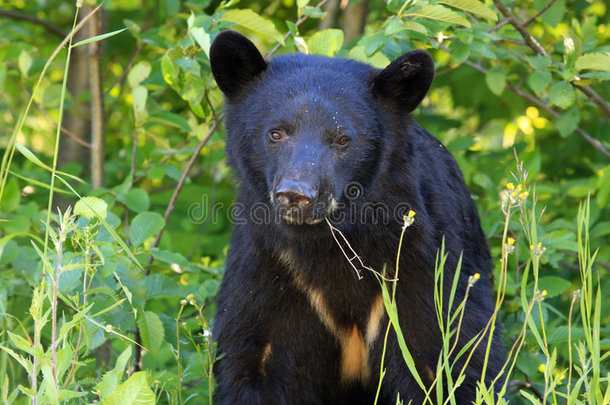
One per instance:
(276, 135)
(342, 141)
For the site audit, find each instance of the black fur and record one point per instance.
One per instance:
(276, 348)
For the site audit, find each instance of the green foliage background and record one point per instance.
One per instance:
(495, 95)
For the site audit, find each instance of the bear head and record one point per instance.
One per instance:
(306, 132)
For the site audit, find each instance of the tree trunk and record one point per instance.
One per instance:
(354, 19)
(330, 20)
(97, 104)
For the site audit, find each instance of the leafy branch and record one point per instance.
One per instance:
(539, 50)
(585, 135)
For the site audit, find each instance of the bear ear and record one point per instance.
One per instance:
(405, 81)
(235, 62)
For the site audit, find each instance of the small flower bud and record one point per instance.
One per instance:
(408, 219)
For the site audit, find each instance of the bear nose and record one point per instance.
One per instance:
(295, 194)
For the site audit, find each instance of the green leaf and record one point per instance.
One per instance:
(415, 26)
(393, 26)
(143, 226)
(98, 38)
(302, 3)
(171, 119)
(139, 95)
(202, 38)
(29, 155)
(313, 12)
(539, 62)
(472, 6)
(50, 388)
(151, 330)
(88, 207)
(440, 13)
(496, 80)
(326, 42)
(138, 73)
(554, 14)
(169, 69)
(594, 61)
(2, 76)
(24, 62)
(249, 19)
(459, 50)
(553, 285)
(193, 88)
(568, 122)
(159, 285)
(378, 59)
(136, 200)
(134, 391)
(12, 196)
(562, 94)
(602, 197)
(538, 81)
(110, 380)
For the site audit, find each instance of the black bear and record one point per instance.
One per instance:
(317, 142)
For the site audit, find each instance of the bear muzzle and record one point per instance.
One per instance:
(296, 201)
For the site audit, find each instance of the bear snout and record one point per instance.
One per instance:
(296, 201)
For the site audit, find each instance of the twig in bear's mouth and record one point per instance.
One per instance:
(354, 254)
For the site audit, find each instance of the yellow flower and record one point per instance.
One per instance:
(476, 276)
(510, 186)
(408, 219)
(511, 241)
(542, 368)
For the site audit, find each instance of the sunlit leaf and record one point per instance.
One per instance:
(326, 42)
(594, 61)
(98, 38)
(440, 13)
(143, 226)
(90, 207)
(472, 6)
(249, 19)
(496, 80)
(151, 330)
(562, 94)
(134, 391)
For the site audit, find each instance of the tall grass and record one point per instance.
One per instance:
(584, 383)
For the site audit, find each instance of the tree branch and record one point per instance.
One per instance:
(96, 105)
(529, 39)
(594, 97)
(594, 142)
(17, 15)
(539, 13)
(538, 50)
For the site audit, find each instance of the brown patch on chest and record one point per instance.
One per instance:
(265, 359)
(354, 356)
(355, 344)
(374, 322)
